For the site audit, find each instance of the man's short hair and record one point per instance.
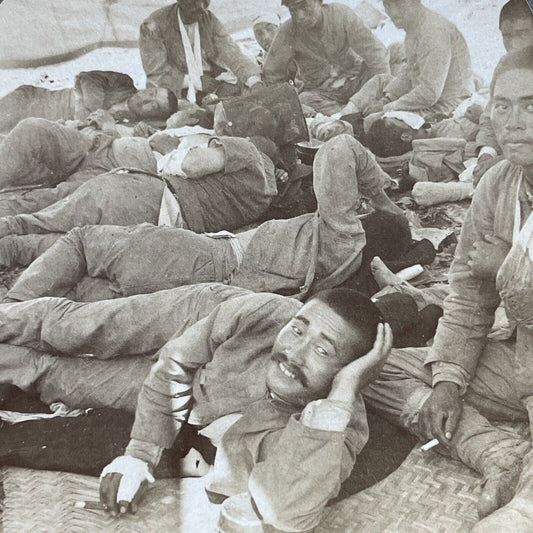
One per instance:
(172, 103)
(384, 138)
(356, 309)
(515, 9)
(519, 59)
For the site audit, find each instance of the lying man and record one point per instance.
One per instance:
(516, 27)
(267, 378)
(315, 250)
(40, 152)
(226, 184)
(469, 380)
(184, 48)
(438, 76)
(334, 51)
(112, 91)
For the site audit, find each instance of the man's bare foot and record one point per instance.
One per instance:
(383, 276)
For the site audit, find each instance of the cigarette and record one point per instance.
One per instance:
(429, 445)
(99, 506)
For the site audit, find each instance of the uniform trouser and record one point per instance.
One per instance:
(405, 384)
(116, 332)
(328, 101)
(127, 260)
(38, 151)
(114, 199)
(28, 101)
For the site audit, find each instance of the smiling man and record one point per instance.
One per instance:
(334, 51)
(289, 375)
(469, 378)
(184, 48)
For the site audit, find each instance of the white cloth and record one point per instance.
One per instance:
(411, 119)
(269, 18)
(193, 58)
(134, 473)
(170, 211)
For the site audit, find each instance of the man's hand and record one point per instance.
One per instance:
(102, 119)
(487, 257)
(484, 162)
(441, 412)
(142, 129)
(123, 483)
(281, 175)
(374, 107)
(352, 378)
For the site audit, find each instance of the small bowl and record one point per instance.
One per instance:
(307, 150)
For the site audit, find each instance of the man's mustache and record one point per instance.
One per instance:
(282, 358)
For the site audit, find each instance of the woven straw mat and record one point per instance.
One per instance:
(427, 494)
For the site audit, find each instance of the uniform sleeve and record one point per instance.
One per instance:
(231, 55)
(280, 57)
(469, 309)
(486, 135)
(166, 396)
(435, 56)
(241, 154)
(364, 43)
(305, 467)
(159, 71)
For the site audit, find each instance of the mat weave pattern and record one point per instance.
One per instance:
(43, 502)
(427, 494)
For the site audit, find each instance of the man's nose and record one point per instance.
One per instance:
(516, 118)
(295, 352)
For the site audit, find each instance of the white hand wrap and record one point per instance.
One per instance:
(134, 472)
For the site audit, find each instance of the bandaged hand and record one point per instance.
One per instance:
(123, 483)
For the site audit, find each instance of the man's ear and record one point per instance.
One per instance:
(406, 137)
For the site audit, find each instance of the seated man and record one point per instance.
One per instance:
(112, 91)
(263, 359)
(334, 51)
(469, 380)
(290, 256)
(226, 184)
(265, 28)
(438, 76)
(516, 27)
(184, 48)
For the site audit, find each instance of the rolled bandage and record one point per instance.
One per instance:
(134, 473)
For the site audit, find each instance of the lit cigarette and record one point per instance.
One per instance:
(429, 445)
(99, 506)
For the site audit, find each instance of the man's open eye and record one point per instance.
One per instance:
(501, 108)
(322, 351)
(296, 330)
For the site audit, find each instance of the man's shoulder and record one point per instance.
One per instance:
(500, 178)
(436, 24)
(161, 15)
(262, 310)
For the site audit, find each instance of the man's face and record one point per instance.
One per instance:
(150, 103)
(512, 116)
(308, 352)
(307, 13)
(192, 10)
(398, 11)
(264, 33)
(517, 33)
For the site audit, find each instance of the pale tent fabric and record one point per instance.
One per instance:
(37, 32)
(40, 32)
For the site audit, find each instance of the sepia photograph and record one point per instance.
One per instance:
(266, 266)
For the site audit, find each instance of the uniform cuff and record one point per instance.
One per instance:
(451, 372)
(145, 451)
(327, 415)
